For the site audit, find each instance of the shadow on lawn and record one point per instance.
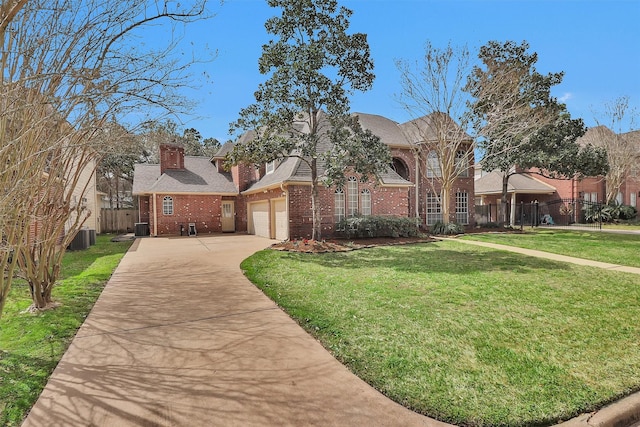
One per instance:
(22, 378)
(435, 257)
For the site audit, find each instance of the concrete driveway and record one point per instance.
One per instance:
(180, 337)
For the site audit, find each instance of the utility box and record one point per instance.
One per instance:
(141, 229)
(92, 237)
(81, 241)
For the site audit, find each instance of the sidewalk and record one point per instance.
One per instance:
(549, 255)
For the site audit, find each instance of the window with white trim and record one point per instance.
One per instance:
(270, 167)
(434, 210)
(352, 196)
(433, 165)
(633, 201)
(365, 202)
(462, 163)
(167, 205)
(339, 205)
(619, 197)
(462, 207)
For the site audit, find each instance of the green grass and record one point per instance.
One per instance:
(635, 226)
(465, 334)
(623, 249)
(32, 344)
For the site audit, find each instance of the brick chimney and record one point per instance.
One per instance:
(171, 157)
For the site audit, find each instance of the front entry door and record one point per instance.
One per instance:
(228, 216)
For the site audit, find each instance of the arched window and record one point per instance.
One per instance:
(433, 165)
(365, 202)
(167, 205)
(352, 195)
(462, 163)
(400, 167)
(339, 205)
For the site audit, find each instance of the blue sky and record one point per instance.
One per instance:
(596, 44)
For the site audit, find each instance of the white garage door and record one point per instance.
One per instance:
(281, 219)
(260, 219)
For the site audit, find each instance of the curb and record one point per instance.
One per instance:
(623, 413)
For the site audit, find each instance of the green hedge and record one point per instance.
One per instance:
(441, 228)
(378, 226)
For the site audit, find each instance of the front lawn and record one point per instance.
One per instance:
(32, 344)
(623, 249)
(466, 334)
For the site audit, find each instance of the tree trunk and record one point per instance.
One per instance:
(315, 203)
(502, 215)
(445, 205)
(118, 206)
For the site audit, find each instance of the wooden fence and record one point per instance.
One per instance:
(118, 220)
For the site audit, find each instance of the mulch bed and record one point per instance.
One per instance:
(344, 245)
(340, 245)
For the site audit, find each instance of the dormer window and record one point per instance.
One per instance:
(270, 166)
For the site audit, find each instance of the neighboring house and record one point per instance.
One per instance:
(530, 187)
(87, 194)
(274, 200)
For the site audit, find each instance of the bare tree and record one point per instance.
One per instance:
(511, 102)
(115, 167)
(432, 95)
(67, 66)
(622, 151)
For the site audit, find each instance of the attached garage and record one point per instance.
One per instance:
(280, 219)
(259, 219)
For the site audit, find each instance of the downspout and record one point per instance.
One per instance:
(286, 202)
(155, 216)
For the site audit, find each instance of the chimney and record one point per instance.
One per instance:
(171, 157)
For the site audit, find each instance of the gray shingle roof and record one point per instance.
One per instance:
(424, 128)
(520, 183)
(293, 169)
(226, 147)
(199, 176)
(389, 131)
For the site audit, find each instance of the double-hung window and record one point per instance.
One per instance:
(167, 205)
(462, 208)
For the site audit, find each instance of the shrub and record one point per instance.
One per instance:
(607, 213)
(446, 229)
(378, 226)
(490, 225)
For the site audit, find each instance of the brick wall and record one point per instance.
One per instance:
(171, 157)
(145, 208)
(203, 210)
(384, 201)
(408, 159)
(431, 185)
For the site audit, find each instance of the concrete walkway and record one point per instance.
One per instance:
(180, 337)
(549, 255)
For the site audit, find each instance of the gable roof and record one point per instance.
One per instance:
(226, 147)
(198, 176)
(491, 183)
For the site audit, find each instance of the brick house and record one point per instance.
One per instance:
(529, 186)
(274, 200)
